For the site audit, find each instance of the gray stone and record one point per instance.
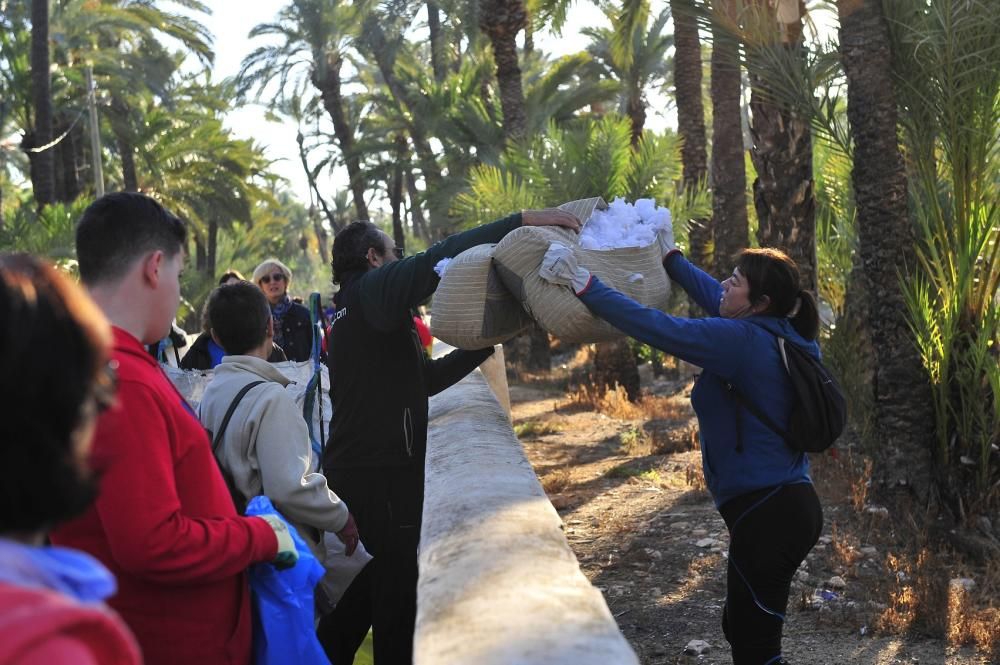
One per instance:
(697, 648)
(836, 582)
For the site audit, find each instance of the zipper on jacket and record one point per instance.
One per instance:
(408, 431)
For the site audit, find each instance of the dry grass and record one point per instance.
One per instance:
(613, 402)
(556, 481)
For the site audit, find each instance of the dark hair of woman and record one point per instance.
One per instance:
(231, 274)
(770, 272)
(350, 249)
(54, 376)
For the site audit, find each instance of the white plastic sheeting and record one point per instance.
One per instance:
(191, 384)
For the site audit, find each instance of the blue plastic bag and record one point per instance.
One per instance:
(284, 630)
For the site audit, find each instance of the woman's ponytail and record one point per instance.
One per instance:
(806, 319)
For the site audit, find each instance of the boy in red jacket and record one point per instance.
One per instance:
(163, 521)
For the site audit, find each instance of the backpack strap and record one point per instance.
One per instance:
(217, 439)
(741, 400)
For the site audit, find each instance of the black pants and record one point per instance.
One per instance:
(387, 505)
(770, 533)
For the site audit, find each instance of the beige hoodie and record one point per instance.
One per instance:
(266, 445)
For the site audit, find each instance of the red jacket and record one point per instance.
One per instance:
(165, 525)
(42, 627)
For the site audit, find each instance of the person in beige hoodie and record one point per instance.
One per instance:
(265, 447)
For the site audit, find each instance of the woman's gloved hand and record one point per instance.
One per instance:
(287, 555)
(665, 238)
(559, 266)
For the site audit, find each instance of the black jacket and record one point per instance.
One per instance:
(199, 357)
(380, 377)
(296, 327)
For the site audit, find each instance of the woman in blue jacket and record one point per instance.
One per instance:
(760, 485)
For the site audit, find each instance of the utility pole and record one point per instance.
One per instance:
(95, 135)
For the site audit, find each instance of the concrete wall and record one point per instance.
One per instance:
(499, 584)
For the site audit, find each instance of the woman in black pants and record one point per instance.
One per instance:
(760, 485)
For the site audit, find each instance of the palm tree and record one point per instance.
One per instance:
(314, 34)
(501, 20)
(784, 195)
(886, 241)
(643, 64)
(691, 125)
(36, 143)
(198, 170)
(729, 209)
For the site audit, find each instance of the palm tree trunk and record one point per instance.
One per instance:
(691, 127)
(200, 257)
(615, 363)
(384, 55)
(782, 156)
(416, 213)
(213, 248)
(636, 115)
(321, 236)
(42, 163)
(437, 41)
(396, 193)
(729, 212)
(126, 149)
(326, 78)
(130, 179)
(886, 241)
(501, 20)
(529, 351)
(68, 157)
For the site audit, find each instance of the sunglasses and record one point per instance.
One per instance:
(278, 277)
(398, 251)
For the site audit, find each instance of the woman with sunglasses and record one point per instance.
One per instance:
(51, 608)
(292, 325)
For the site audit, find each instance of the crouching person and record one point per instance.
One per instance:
(263, 447)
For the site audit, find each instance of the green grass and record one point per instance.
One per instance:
(535, 428)
(365, 655)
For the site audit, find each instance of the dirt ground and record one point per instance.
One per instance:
(632, 499)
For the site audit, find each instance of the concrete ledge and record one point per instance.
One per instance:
(499, 584)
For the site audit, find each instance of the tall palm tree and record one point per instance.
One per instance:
(315, 36)
(691, 125)
(501, 20)
(642, 65)
(42, 161)
(886, 242)
(781, 151)
(729, 211)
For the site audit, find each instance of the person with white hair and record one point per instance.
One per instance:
(292, 325)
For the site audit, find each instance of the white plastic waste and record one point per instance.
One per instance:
(625, 224)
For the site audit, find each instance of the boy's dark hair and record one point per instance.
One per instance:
(118, 228)
(238, 314)
(231, 274)
(772, 273)
(350, 249)
(54, 349)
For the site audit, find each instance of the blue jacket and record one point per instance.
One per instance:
(742, 352)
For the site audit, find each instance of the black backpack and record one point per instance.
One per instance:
(819, 409)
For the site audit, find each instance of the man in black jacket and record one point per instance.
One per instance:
(380, 382)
